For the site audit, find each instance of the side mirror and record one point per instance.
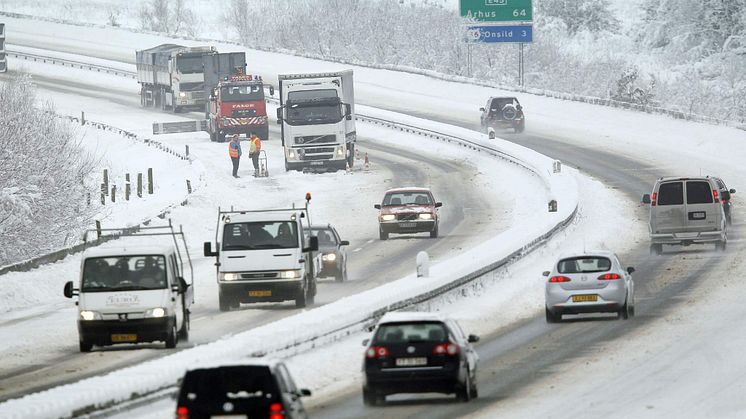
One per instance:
(176, 288)
(473, 338)
(271, 90)
(313, 244)
(304, 392)
(69, 291)
(545, 273)
(725, 195)
(348, 111)
(438, 204)
(481, 109)
(365, 342)
(630, 270)
(377, 206)
(732, 191)
(207, 250)
(279, 115)
(519, 107)
(646, 199)
(344, 243)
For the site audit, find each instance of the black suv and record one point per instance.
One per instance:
(725, 197)
(503, 112)
(248, 390)
(419, 353)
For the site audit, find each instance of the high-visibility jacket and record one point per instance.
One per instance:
(255, 145)
(234, 149)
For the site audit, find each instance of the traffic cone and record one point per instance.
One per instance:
(366, 164)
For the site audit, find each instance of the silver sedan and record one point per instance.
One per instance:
(591, 282)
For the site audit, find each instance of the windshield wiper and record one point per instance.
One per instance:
(238, 247)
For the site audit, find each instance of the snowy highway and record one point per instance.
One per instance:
(666, 350)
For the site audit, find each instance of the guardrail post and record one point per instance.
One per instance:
(139, 185)
(150, 181)
(189, 186)
(106, 182)
(103, 194)
(98, 229)
(113, 193)
(127, 190)
(82, 118)
(187, 150)
(553, 205)
(557, 166)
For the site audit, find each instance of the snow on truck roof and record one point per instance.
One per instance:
(264, 216)
(410, 316)
(125, 250)
(409, 189)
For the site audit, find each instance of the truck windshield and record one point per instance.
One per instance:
(260, 235)
(124, 273)
(243, 93)
(313, 113)
(189, 64)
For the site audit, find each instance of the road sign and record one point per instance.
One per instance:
(497, 10)
(500, 33)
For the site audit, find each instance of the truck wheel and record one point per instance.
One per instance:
(721, 245)
(172, 337)
(300, 299)
(177, 109)
(184, 331)
(383, 235)
(351, 157)
(85, 346)
(656, 249)
(225, 304)
(264, 135)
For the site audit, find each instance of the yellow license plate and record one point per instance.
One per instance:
(262, 293)
(123, 338)
(584, 298)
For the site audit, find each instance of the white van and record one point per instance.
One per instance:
(264, 256)
(130, 293)
(685, 211)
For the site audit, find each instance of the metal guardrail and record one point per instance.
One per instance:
(73, 64)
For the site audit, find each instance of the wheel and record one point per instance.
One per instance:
(220, 137)
(372, 397)
(624, 312)
(721, 245)
(351, 156)
(184, 331)
(300, 299)
(311, 297)
(85, 346)
(434, 233)
(474, 390)
(173, 337)
(176, 109)
(341, 275)
(225, 304)
(552, 317)
(383, 235)
(464, 391)
(656, 249)
(264, 134)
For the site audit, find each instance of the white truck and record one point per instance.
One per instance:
(317, 119)
(264, 256)
(134, 292)
(173, 77)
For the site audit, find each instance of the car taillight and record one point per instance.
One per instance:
(653, 199)
(608, 277)
(559, 278)
(446, 349)
(377, 352)
(716, 195)
(182, 412)
(276, 411)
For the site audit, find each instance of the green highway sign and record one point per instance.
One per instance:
(497, 10)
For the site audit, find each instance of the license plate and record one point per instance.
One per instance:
(584, 298)
(317, 163)
(262, 293)
(123, 338)
(411, 362)
(407, 225)
(698, 215)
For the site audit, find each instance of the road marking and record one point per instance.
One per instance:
(357, 250)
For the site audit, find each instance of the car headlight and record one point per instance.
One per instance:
(228, 276)
(329, 257)
(426, 216)
(182, 94)
(292, 274)
(88, 315)
(155, 312)
(388, 217)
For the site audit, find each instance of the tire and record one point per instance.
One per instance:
(176, 109)
(300, 299)
(656, 249)
(372, 397)
(552, 317)
(224, 302)
(624, 311)
(721, 246)
(173, 337)
(464, 392)
(434, 233)
(351, 157)
(311, 297)
(474, 390)
(184, 331)
(220, 137)
(85, 346)
(383, 235)
(264, 135)
(340, 275)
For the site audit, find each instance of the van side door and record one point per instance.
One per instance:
(702, 213)
(176, 297)
(667, 213)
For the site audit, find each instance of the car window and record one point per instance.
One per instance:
(289, 383)
(671, 193)
(225, 383)
(326, 237)
(698, 192)
(584, 264)
(456, 330)
(407, 198)
(411, 332)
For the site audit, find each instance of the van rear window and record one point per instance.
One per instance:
(698, 193)
(671, 193)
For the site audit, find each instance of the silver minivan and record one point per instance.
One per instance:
(685, 211)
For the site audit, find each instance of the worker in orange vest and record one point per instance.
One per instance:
(234, 150)
(255, 146)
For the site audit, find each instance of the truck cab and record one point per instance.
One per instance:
(131, 293)
(317, 118)
(237, 106)
(264, 256)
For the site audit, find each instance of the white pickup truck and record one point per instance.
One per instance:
(264, 256)
(132, 292)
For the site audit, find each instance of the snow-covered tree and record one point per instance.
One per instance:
(578, 15)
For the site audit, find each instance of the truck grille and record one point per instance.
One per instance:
(259, 275)
(316, 139)
(406, 217)
(198, 94)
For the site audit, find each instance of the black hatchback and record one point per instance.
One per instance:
(240, 391)
(413, 352)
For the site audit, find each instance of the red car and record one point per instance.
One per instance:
(407, 211)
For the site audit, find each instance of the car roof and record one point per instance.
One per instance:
(249, 362)
(322, 227)
(674, 178)
(600, 252)
(125, 250)
(271, 216)
(410, 316)
(503, 97)
(409, 189)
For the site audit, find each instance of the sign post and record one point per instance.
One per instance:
(3, 61)
(499, 21)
